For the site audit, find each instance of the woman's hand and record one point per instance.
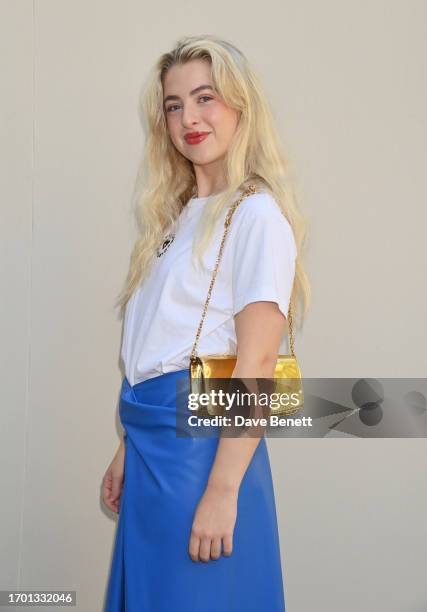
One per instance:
(112, 482)
(213, 524)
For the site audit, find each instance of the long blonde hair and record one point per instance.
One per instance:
(166, 179)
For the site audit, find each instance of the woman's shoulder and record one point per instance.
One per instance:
(261, 220)
(261, 207)
(262, 238)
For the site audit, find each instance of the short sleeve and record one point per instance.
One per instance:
(263, 256)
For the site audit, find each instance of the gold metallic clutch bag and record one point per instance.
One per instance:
(203, 370)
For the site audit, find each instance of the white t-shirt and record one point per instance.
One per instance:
(163, 314)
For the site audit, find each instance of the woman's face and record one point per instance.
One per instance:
(191, 105)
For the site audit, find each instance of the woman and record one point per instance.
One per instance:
(197, 527)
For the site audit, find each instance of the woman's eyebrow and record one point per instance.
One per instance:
(192, 92)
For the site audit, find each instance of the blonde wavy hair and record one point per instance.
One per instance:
(166, 179)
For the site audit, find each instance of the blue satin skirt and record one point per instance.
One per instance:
(164, 479)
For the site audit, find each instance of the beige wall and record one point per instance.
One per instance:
(347, 85)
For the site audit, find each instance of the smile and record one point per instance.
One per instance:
(198, 137)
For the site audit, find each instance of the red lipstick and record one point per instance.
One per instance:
(195, 137)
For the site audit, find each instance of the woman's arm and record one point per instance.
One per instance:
(259, 329)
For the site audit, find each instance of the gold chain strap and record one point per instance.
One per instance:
(250, 190)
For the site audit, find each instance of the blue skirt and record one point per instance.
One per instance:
(164, 479)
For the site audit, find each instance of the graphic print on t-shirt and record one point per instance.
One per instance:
(166, 244)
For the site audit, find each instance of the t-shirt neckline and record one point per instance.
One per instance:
(196, 201)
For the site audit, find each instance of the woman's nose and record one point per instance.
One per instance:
(189, 116)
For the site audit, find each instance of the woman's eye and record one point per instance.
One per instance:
(170, 108)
